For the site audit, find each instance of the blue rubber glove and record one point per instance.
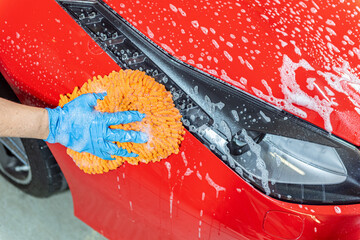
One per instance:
(80, 127)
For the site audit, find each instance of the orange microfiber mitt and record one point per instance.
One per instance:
(133, 90)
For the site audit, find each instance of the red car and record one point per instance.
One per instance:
(268, 91)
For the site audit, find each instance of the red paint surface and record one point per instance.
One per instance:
(245, 43)
(284, 224)
(43, 53)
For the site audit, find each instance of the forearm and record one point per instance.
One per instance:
(17, 120)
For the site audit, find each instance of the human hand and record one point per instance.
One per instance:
(81, 128)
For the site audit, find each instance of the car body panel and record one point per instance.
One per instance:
(181, 202)
(44, 53)
(301, 56)
(48, 55)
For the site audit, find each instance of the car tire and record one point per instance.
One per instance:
(40, 176)
(45, 177)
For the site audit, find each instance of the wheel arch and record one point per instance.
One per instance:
(6, 91)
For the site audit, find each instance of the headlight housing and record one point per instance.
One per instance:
(277, 152)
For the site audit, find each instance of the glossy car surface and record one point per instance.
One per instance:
(301, 56)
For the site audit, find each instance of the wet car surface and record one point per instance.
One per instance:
(260, 85)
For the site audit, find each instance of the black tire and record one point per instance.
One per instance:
(46, 176)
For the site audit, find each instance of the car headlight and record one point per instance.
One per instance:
(277, 152)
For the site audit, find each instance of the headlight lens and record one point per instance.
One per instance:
(295, 161)
(278, 153)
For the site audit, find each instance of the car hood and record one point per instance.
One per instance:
(301, 56)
